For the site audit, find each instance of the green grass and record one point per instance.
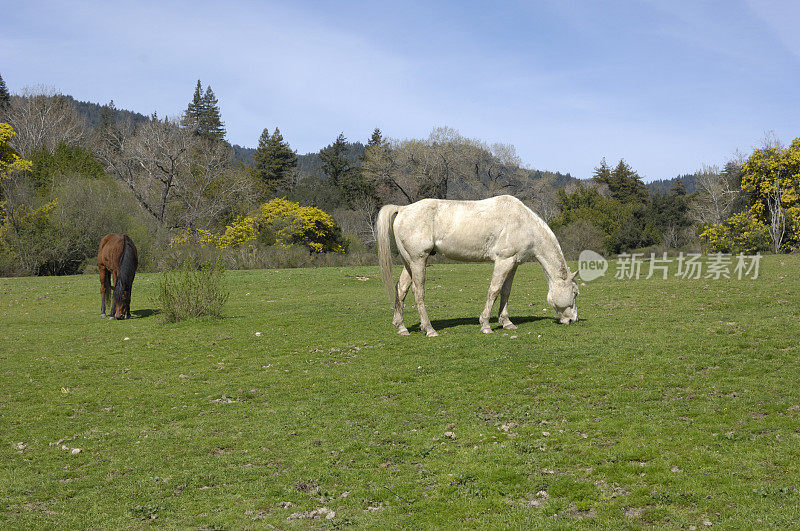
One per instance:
(670, 403)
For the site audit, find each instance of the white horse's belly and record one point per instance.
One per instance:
(470, 250)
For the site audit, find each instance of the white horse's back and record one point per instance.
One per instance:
(473, 231)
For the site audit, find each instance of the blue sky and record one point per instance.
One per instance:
(666, 85)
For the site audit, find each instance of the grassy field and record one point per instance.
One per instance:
(671, 403)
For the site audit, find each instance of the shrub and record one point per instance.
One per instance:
(740, 233)
(279, 222)
(192, 291)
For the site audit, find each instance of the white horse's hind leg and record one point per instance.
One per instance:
(502, 317)
(502, 268)
(418, 279)
(400, 294)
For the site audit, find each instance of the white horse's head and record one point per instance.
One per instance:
(563, 298)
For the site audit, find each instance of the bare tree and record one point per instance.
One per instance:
(382, 167)
(180, 178)
(156, 151)
(777, 218)
(716, 198)
(44, 118)
(208, 185)
(359, 220)
(771, 141)
(542, 199)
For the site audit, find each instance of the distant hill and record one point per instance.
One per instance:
(556, 178)
(664, 185)
(308, 164)
(93, 112)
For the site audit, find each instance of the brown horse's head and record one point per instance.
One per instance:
(123, 304)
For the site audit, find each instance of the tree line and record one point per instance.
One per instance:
(98, 169)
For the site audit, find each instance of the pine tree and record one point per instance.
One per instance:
(192, 114)
(342, 173)
(211, 125)
(602, 174)
(335, 163)
(107, 118)
(626, 185)
(5, 97)
(678, 188)
(376, 139)
(202, 116)
(274, 161)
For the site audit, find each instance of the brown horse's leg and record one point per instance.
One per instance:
(103, 288)
(113, 314)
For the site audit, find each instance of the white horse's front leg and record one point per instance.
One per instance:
(502, 268)
(502, 317)
(400, 294)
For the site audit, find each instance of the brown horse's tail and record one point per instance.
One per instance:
(383, 229)
(128, 262)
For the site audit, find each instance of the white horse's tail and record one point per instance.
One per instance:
(383, 228)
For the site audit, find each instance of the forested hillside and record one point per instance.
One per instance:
(665, 185)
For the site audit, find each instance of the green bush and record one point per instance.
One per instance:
(192, 291)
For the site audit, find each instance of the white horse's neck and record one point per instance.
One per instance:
(547, 251)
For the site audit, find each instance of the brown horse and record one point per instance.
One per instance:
(117, 257)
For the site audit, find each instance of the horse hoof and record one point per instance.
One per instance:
(432, 333)
(487, 330)
(403, 332)
(111, 318)
(102, 315)
(509, 326)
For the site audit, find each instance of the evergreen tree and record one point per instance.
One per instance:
(274, 161)
(602, 173)
(342, 174)
(202, 115)
(5, 97)
(678, 188)
(192, 114)
(626, 185)
(211, 125)
(107, 118)
(334, 162)
(376, 139)
(623, 182)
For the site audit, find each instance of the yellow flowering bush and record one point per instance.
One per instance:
(740, 233)
(278, 222)
(10, 161)
(21, 226)
(760, 173)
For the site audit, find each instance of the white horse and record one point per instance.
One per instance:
(500, 230)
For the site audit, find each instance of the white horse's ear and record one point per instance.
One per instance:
(573, 275)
